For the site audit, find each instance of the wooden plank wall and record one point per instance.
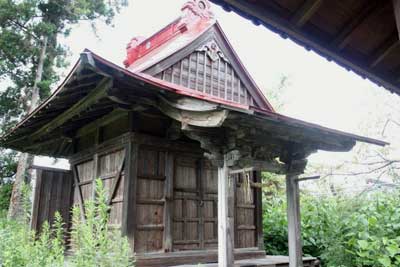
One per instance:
(175, 194)
(245, 209)
(216, 78)
(150, 200)
(107, 169)
(53, 193)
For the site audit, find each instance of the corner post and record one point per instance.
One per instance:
(226, 211)
(128, 224)
(295, 167)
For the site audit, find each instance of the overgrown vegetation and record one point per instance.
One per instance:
(93, 242)
(341, 231)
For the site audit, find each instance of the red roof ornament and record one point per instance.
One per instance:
(196, 9)
(196, 17)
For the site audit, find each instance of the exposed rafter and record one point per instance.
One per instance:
(342, 39)
(384, 50)
(90, 99)
(305, 12)
(396, 9)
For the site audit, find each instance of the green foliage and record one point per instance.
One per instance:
(341, 231)
(20, 247)
(30, 54)
(94, 243)
(5, 194)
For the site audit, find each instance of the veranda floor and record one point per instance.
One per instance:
(268, 261)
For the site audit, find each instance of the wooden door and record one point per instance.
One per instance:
(195, 198)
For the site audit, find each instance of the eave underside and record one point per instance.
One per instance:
(359, 35)
(98, 92)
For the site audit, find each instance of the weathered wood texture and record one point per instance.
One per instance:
(294, 226)
(53, 193)
(150, 200)
(195, 204)
(109, 171)
(225, 217)
(213, 77)
(245, 202)
(396, 9)
(192, 257)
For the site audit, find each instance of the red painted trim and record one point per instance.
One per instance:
(264, 113)
(182, 90)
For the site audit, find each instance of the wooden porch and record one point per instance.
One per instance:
(268, 261)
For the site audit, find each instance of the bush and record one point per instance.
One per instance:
(94, 243)
(5, 195)
(341, 231)
(20, 247)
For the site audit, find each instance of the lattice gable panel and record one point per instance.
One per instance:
(208, 71)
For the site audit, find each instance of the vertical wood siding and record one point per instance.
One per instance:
(53, 193)
(109, 165)
(245, 220)
(215, 78)
(150, 200)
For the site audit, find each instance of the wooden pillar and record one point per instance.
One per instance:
(396, 9)
(128, 224)
(225, 218)
(294, 223)
(169, 201)
(129, 204)
(258, 210)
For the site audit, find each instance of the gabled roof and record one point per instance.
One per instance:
(197, 36)
(99, 89)
(84, 80)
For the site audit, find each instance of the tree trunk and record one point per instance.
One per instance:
(18, 207)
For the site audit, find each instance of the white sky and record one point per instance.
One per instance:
(319, 91)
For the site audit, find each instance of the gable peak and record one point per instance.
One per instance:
(197, 8)
(196, 17)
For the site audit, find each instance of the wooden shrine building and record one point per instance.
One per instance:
(174, 136)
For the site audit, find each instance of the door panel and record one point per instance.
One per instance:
(186, 219)
(195, 204)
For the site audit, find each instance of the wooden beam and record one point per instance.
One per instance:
(169, 202)
(90, 99)
(129, 205)
(396, 9)
(384, 50)
(342, 39)
(110, 117)
(278, 24)
(305, 12)
(259, 165)
(295, 167)
(36, 200)
(294, 223)
(259, 211)
(117, 179)
(78, 191)
(225, 222)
